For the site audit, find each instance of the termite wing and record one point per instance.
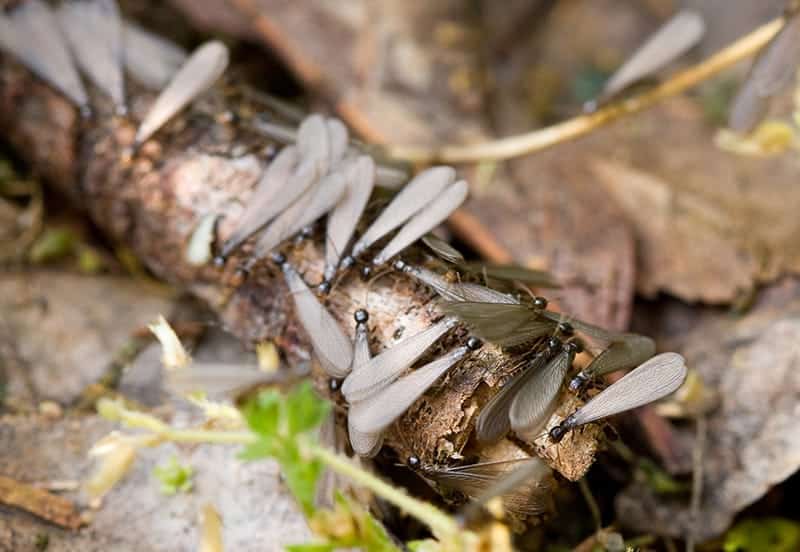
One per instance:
(676, 37)
(651, 381)
(30, 33)
(527, 494)
(773, 70)
(384, 368)
(363, 444)
(381, 409)
(93, 29)
(201, 70)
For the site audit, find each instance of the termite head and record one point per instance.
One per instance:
(557, 433)
(366, 272)
(348, 262)
(361, 316)
(539, 302)
(324, 287)
(473, 343)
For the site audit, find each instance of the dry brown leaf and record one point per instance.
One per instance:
(753, 443)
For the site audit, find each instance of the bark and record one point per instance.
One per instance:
(207, 160)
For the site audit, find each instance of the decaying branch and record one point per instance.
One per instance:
(207, 161)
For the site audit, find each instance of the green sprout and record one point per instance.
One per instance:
(174, 477)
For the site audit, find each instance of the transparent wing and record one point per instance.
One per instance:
(535, 400)
(278, 188)
(493, 421)
(382, 409)
(418, 193)
(384, 368)
(653, 380)
(201, 70)
(425, 220)
(94, 32)
(31, 34)
(332, 346)
(673, 39)
(360, 179)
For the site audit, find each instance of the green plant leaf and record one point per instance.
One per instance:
(311, 547)
(263, 414)
(305, 410)
(763, 535)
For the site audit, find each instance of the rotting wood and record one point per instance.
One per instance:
(207, 161)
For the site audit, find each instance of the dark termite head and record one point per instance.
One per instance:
(361, 316)
(553, 344)
(413, 462)
(399, 265)
(307, 231)
(219, 261)
(539, 302)
(278, 258)
(577, 383)
(557, 433)
(334, 384)
(565, 329)
(348, 262)
(324, 287)
(366, 272)
(473, 343)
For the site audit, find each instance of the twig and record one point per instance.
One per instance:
(697, 479)
(43, 504)
(522, 144)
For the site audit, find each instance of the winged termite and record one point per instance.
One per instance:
(31, 34)
(425, 220)
(536, 399)
(150, 59)
(380, 410)
(331, 345)
(524, 487)
(278, 188)
(652, 380)
(454, 291)
(384, 368)
(504, 324)
(629, 351)
(364, 444)
(342, 221)
(493, 422)
(201, 70)
(385, 176)
(417, 194)
(314, 203)
(482, 481)
(93, 29)
(773, 70)
(676, 37)
(214, 379)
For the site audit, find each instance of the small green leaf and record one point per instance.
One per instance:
(54, 244)
(660, 481)
(763, 535)
(301, 478)
(311, 547)
(263, 414)
(305, 409)
(174, 477)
